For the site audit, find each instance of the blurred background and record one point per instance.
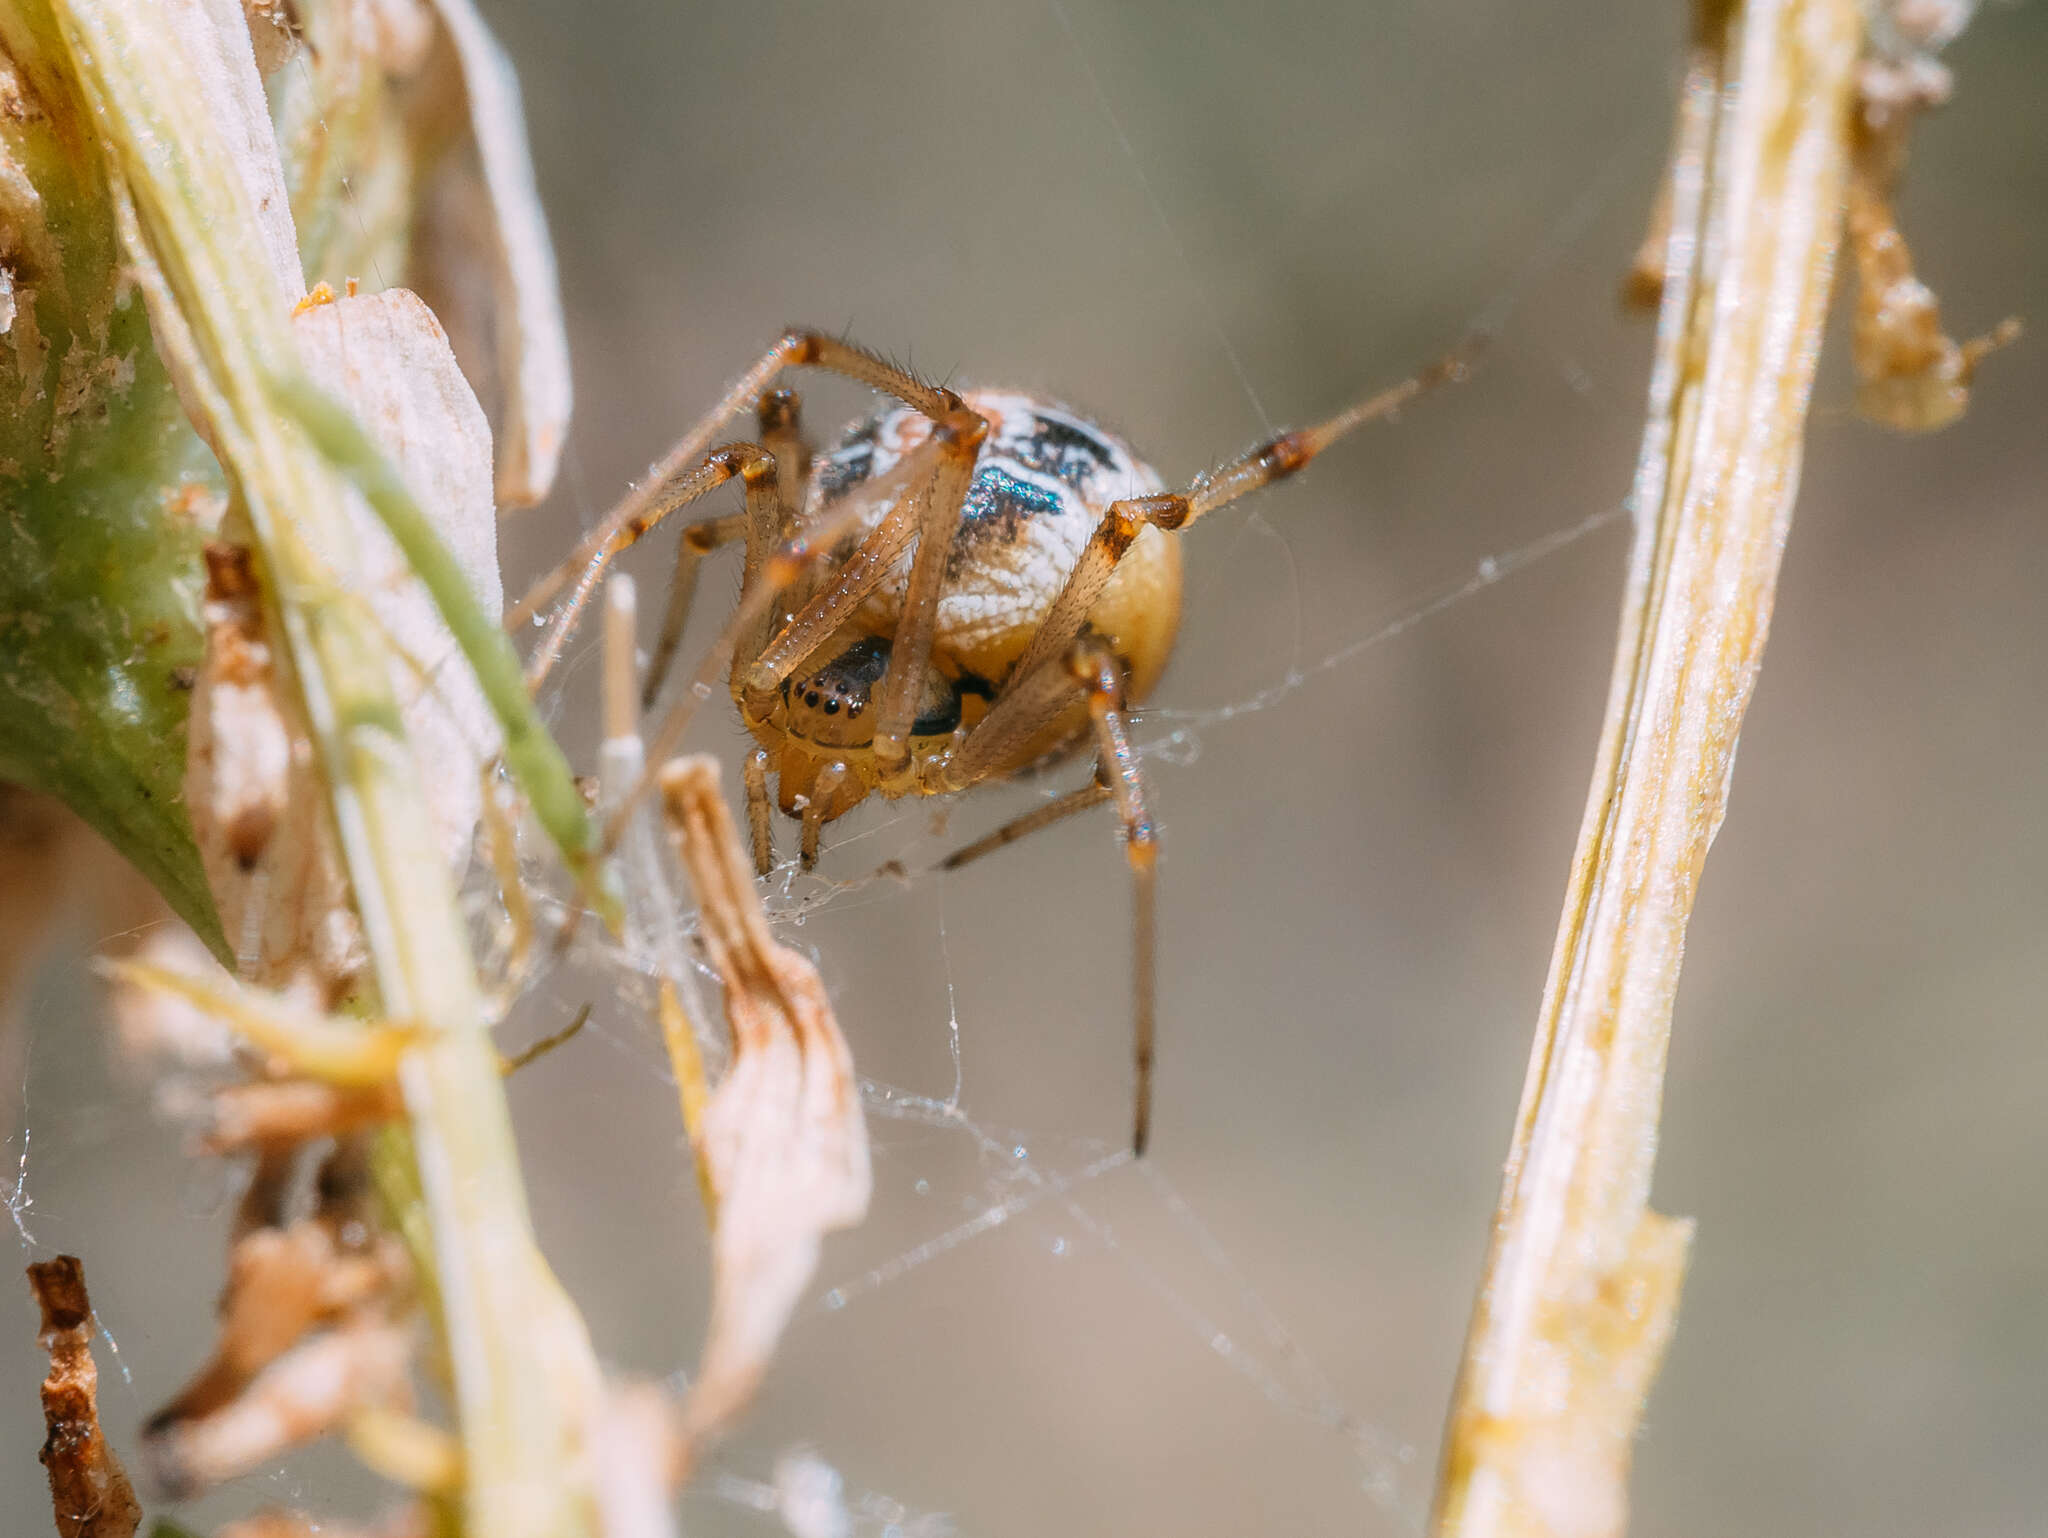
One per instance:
(1200, 222)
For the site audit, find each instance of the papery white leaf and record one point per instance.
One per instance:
(388, 358)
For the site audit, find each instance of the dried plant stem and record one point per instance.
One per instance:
(1581, 1283)
(523, 1375)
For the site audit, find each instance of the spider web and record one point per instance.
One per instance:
(1048, 1196)
(1054, 1188)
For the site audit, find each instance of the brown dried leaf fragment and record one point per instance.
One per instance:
(302, 1395)
(270, 34)
(310, 1332)
(1910, 373)
(280, 1114)
(254, 792)
(782, 1142)
(89, 1493)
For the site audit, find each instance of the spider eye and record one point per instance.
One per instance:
(826, 704)
(836, 693)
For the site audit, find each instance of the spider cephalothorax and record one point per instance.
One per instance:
(966, 586)
(820, 725)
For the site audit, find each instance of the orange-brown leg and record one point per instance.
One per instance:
(766, 522)
(958, 436)
(1088, 671)
(906, 492)
(796, 348)
(1096, 672)
(1261, 466)
(749, 462)
(1094, 793)
(759, 824)
(780, 415)
(823, 792)
(698, 540)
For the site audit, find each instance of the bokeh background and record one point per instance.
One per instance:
(1199, 220)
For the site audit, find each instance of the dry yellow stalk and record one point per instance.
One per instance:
(1581, 1283)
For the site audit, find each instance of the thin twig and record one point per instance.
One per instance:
(89, 1492)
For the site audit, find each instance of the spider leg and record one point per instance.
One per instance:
(1094, 793)
(759, 823)
(830, 778)
(1090, 671)
(1261, 466)
(994, 745)
(779, 415)
(749, 462)
(698, 540)
(795, 348)
(906, 489)
(959, 437)
(1090, 665)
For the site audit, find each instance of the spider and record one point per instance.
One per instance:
(969, 586)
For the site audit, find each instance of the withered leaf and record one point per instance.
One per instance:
(782, 1140)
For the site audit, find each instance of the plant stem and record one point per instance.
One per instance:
(523, 1374)
(1581, 1284)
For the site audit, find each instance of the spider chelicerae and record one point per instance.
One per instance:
(968, 586)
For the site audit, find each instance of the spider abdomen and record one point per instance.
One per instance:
(1043, 480)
